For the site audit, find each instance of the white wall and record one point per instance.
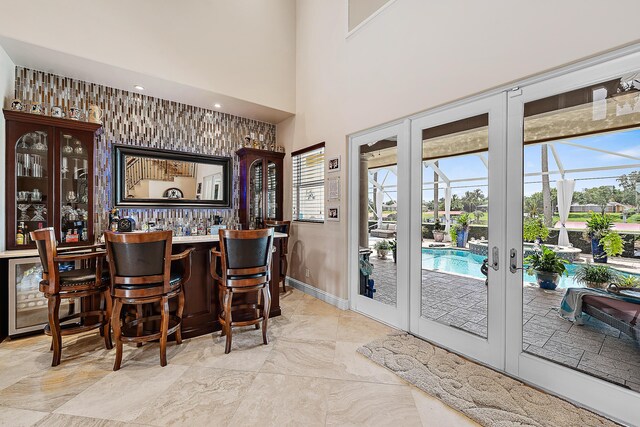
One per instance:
(415, 55)
(7, 83)
(240, 48)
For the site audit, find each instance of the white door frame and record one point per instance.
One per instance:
(395, 316)
(607, 398)
(488, 350)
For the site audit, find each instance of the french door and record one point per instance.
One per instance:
(457, 188)
(378, 225)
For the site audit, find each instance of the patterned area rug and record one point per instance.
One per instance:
(484, 395)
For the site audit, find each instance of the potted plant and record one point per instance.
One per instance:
(394, 246)
(453, 232)
(382, 247)
(534, 230)
(547, 267)
(595, 276)
(604, 242)
(438, 233)
(462, 234)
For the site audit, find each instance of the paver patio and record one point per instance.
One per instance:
(594, 348)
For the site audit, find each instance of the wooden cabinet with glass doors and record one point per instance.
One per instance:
(49, 178)
(260, 186)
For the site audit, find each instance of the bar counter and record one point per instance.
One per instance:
(201, 307)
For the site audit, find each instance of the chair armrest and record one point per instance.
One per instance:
(79, 257)
(213, 263)
(182, 255)
(82, 248)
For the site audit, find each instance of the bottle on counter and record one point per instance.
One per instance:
(20, 234)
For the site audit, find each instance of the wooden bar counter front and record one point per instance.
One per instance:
(201, 306)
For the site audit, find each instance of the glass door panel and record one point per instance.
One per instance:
(32, 184)
(272, 190)
(379, 177)
(457, 228)
(74, 190)
(256, 184)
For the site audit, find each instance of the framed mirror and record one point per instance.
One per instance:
(162, 178)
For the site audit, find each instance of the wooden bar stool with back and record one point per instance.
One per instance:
(243, 266)
(70, 285)
(140, 269)
(282, 227)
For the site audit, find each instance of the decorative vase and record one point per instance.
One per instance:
(95, 114)
(438, 235)
(596, 285)
(597, 251)
(382, 253)
(547, 280)
(461, 238)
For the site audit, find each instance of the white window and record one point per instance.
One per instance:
(308, 184)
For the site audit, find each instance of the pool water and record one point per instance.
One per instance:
(468, 264)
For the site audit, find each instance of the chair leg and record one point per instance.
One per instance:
(139, 315)
(179, 314)
(106, 328)
(164, 327)
(228, 298)
(223, 330)
(283, 273)
(258, 302)
(266, 306)
(54, 326)
(117, 332)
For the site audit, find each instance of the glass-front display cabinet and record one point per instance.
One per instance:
(260, 186)
(49, 178)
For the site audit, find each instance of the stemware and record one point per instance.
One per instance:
(40, 145)
(79, 149)
(23, 212)
(39, 213)
(67, 149)
(64, 169)
(71, 196)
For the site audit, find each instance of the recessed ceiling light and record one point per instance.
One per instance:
(138, 87)
(216, 105)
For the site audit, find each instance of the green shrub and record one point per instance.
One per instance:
(545, 260)
(382, 245)
(598, 225)
(595, 274)
(612, 243)
(453, 232)
(534, 228)
(628, 281)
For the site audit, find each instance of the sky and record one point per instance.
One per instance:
(471, 166)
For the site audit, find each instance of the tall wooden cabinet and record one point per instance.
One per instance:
(261, 186)
(49, 178)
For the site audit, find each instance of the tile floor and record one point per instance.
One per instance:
(594, 348)
(309, 374)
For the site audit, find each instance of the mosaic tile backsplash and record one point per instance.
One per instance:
(135, 119)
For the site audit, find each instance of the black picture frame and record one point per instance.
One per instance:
(121, 199)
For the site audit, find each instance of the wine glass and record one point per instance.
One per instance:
(79, 149)
(40, 145)
(71, 196)
(23, 212)
(67, 149)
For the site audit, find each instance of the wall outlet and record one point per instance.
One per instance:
(307, 273)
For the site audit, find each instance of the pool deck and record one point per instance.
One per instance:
(594, 348)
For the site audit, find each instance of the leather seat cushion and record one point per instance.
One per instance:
(628, 312)
(81, 275)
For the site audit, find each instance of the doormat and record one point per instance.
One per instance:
(484, 395)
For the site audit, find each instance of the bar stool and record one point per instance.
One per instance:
(69, 285)
(245, 267)
(140, 269)
(282, 227)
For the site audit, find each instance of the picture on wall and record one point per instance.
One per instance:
(333, 194)
(333, 213)
(333, 164)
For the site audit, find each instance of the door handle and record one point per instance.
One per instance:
(495, 258)
(513, 261)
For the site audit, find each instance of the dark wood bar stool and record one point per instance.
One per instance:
(140, 270)
(282, 227)
(69, 285)
(243, 265)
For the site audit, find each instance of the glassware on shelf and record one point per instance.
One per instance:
(23, 208)
(79, 149)
(71, 196)
(65, 167)
(22, 142)
(41, 143)
(39, 213)
(75, 169)
(36, 195)
(67, 149)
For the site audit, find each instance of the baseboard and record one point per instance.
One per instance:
(342, 304)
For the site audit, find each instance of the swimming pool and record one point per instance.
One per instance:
(468, 264)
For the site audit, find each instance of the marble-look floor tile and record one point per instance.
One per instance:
(63, 420)
(351, 365)
(124, 394)
(354, 403)
(281, 400)
(320, 328)
(304, 358)
(17, 364)
(14, 417)
(434, 413)
(201, 396)
(49, 388)
(360, 329)
(39, 342)
(311, 306)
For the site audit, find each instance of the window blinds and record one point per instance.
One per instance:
(308, 185)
